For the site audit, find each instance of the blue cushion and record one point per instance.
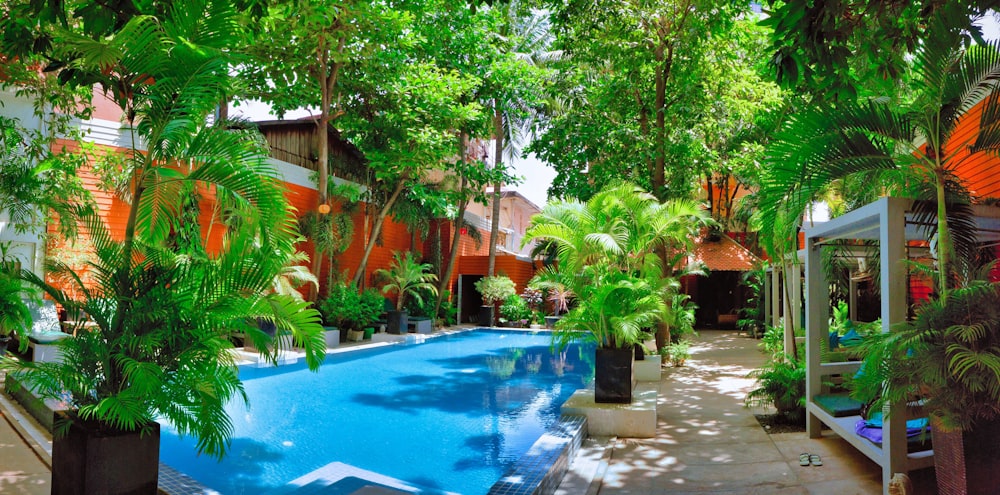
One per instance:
(834, 340)
(838, 405)
(851, 338)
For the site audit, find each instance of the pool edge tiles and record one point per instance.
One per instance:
(540, 470)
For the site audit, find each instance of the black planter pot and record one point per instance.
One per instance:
(613, 376)
(486, 316)
(966, 462)
(640, 353)
(396, 322)
(91, 460)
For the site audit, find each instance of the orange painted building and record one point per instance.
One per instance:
(293, 156)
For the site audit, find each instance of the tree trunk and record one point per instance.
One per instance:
(497, 163)
(327, 82)
(456, 237)
(376, 229)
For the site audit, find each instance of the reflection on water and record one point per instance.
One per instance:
(452, 414)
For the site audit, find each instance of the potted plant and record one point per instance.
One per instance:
(608, 258)
(406, 278)
(163, 311)
(420, 310)
(345, 309)
(494, 290)
(514, 311)
(948, 356)
(559, 296)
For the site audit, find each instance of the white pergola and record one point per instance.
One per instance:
(889, 222)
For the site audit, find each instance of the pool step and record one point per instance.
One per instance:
(338, 478)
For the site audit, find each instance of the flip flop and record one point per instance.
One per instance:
(804, 459)
(815, 460)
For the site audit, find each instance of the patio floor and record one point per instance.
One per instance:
(706, 442)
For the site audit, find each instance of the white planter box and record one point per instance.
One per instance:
(421, 325)
(648, 370)
(332, 337)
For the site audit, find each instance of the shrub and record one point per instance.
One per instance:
(347, 309)
(495, 289)
(514, 309)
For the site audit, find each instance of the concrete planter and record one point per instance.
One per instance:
(648, 370)
(396, 322)
(332, 337)
(421, 325)
(355, 335)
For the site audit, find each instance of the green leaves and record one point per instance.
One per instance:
(407, 278)
(607, 251)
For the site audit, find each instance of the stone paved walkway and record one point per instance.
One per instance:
(21, 469)
(707, 442)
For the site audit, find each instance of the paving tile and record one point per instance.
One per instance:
(708, 442)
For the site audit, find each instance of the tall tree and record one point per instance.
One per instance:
(839, 50)
(299, 54)
(913, 148)
(403, 119)
(632, 86)
(513, 84)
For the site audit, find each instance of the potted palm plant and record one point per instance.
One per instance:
(164, 310)
(406, 278)
(947, 357)
(494, 290)
(608, 258)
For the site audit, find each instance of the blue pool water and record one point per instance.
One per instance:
(452, 414)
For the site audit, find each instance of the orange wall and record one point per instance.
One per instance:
(979, 171)
(518, 271)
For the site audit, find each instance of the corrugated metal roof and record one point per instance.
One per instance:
(724, 255)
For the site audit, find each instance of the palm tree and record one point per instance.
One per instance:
(914, 145)
(406, 278)
(617, 233)
(164, 320)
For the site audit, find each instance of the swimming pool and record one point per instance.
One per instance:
(452, 414)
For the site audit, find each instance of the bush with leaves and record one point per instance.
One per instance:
(495, 289)
(515, 310)
(781, 382)
(348, 309)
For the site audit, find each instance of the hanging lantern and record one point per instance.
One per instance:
(463, 231)
(324, 209)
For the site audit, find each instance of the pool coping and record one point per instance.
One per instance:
(538, 471)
